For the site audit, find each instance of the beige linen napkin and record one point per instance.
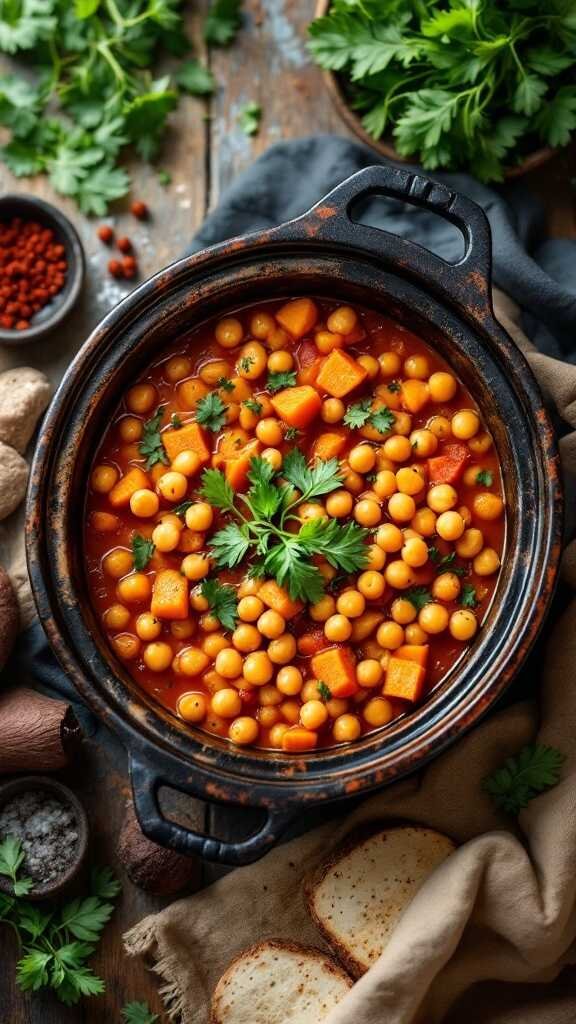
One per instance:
(501, 909)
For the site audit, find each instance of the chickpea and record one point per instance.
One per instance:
(103, 479)
(277, 339)
(243, 731)
(470, 543)
(487, 505)
(470, 475)
(269, 431)
(370, 364)
(463, 624)
(213, 643)
(369, 672)
(177, 368)
(332, 410)
(209, 623)
(443, 386)
(157, 656)
(367, 512)
(246, 637)
(271, 624)
(273, 456)
(116, 617)
(252, 360)
(195, 567)
(446, 587)
(327, 572)
(339, 504)
(187, 463)
(277, 733)
(135, 589)
(199, 516)
(346, 729)
(249, 587)
(258, 668)
(424, 442)
(148, 627)
(337, 628)
(214, 371)
(192, 661)
(403, 611)
(198, 602)
(127, 646)
(442, 497)
(172, 486)
(450, 526)
(323, 609)
(290, 710)
(343, 320)
(390, 363)
(433, 618)
(465, 424)
(250, 609)
(141, 398)
(267, 716)
(385, 483)
(117, 563)
(352, 481)
(378, 711)
(424, 522)
(229, 332)
(415, 634)
(144, 503)
(229, 663)
(336, 706)
(401, 507)
(130, 429)
(403, 425)
(371, 585)
(399, 575)
(280, 361)
(390, 635)
(397, 448)
(310, 690)
(226, 703)
(289, 680)
(362, 458)
(313, 714)
(415, 552)
(261, 324)
(376, 558)
(480, 444)
(417, 367)
(486, 563)
(390, 538)
(327, 341)
(351, 603)
(466, 514)
(440, 427)
(192, 707)
(283, 649)
(410, 480)
(311, 510)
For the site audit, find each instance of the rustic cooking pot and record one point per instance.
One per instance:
(323, 253)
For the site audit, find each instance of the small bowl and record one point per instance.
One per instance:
(11, 789)
(30, 208)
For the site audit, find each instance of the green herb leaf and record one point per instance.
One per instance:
(138, 1013)
(382, 420)
(164, 177)
(181, 509)
(253, 406)
(324, 691)
(211, 412)
(229, 546)
(357, 415)
(291, 433)
(468, 598)
(485, 478)
(86, 918)
(445, 563)
(175, 421)
(249, 118)
(103, 884)
(394, 386)
(151, 446)
(222, 22)
(534, 769)
(313, 481)
(280, 380)
(195, 78)
(418, 597)
(222, 601)
(263, 497)
(11, 859)
(228, 385)
(216, 490)
(142, 551)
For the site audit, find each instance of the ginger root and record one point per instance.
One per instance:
(24, 394)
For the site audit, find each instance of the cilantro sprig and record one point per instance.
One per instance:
(142, 551)
(211, 411)
(534, 769)
(138, 1013)
(361, 414)
(445, 563)
(221, 601)
(280, 380)
(263, 515)
(468, 596)
(151, 445)
(485, 478)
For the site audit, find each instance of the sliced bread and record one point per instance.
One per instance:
(278, 983)
(357, 897)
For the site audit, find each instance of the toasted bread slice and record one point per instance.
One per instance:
(357, 897)
(278, 983)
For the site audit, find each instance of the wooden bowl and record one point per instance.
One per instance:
(385, 145)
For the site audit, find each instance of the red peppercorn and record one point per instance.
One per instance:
(115, 268)
(105, 234)
(129, 266)
(33, 268)
(124, 244)
(139, 209)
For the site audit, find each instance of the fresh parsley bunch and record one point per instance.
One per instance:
(95, 90)
(469, 84)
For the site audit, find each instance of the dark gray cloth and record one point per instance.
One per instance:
(538, 273)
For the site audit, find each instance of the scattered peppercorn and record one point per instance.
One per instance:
(115, 268)
(105, 234)
(129, 267)
(124, 244)
(139, 209)
(33, 270)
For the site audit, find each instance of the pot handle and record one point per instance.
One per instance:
(330, 220)
(145, 785)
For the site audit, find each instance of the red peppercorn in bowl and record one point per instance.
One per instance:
(41, 268)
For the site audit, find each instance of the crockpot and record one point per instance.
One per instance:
(323, 253)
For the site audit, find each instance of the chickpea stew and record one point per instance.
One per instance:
(294, 525)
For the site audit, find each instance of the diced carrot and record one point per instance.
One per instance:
(134, 480)
(309, 374)
(279, 599)
(404, 680)
(336, 667)
(233, 442)
(298, 739)
(329, 445)
(313, 641)
(190, 542)
(413, 652)
(448, 467)
(237, 469)
(298, 317)
(297, 406)
(415, 394)
(340, 374)
(185, 439)
(169, 595)
(189, 392)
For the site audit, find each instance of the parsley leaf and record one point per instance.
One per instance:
(222, 601)
(195, 78)
(324, 691)
(215, 488)
(175, 421)
(485, 477)
(357, 415)
(142, 551)
(253, 406)
(249, 118)
(291, 433)
(181, 509)
(211, 412)
(138, 1013)
(534, 769)
(228, 385)
(222, 22)
(382, 420)
(468, 598)
(151, 446)
(445, 563)
(11, 859)
(320, 478)
(280, 380)
(229, 546)
(418, 597)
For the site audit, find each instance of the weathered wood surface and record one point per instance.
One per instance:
(206, 149)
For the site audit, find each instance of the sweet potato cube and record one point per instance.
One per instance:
(237, 469)
(413, 652)
(186, 439)
(134, 480)
(340, 374)
(170, 595)
(297, 406)
(404, 680)
(274, 596)
(298, 317)
(415, 395)
(336, 668)
(329, 445)
(298, 739)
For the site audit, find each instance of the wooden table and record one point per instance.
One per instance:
(206, 149)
